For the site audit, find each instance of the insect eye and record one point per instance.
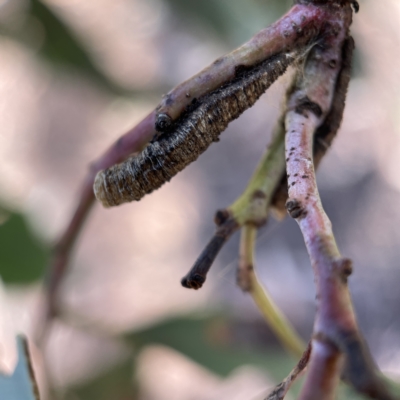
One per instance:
(163, 122)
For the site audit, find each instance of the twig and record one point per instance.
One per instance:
(325, 133)
(335, 331)
(248, 281)
(249, 212)
(23, 342)
(281, 390)
(250, 208)
(293, 31)
(131, 142)
(197, 275)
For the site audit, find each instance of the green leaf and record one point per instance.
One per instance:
(208, 340)
(21, 385)
(62, 48)
(394, 386)
(23, 258)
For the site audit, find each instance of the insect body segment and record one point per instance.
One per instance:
(188, 137)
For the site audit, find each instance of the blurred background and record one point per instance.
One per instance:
(74, 76)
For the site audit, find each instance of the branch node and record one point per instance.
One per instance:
(305, 104)
(243, 277)
(295, 209)
(198, 274)
(344, 266)
(221, 216)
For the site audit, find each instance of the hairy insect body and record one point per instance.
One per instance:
(189, 136)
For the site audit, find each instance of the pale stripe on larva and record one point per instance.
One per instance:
(190, 135)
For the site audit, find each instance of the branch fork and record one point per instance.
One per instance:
(315, 104)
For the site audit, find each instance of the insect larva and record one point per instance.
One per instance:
(190, 135)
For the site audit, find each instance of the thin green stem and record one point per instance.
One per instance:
(276, 320)
(252, 205)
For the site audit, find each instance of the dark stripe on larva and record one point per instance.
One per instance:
(191, 135)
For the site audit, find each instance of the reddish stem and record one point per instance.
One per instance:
(335, 330)
(133, 141)
(293, 30)
(325, 370)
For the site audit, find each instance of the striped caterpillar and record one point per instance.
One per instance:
(198, 126)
